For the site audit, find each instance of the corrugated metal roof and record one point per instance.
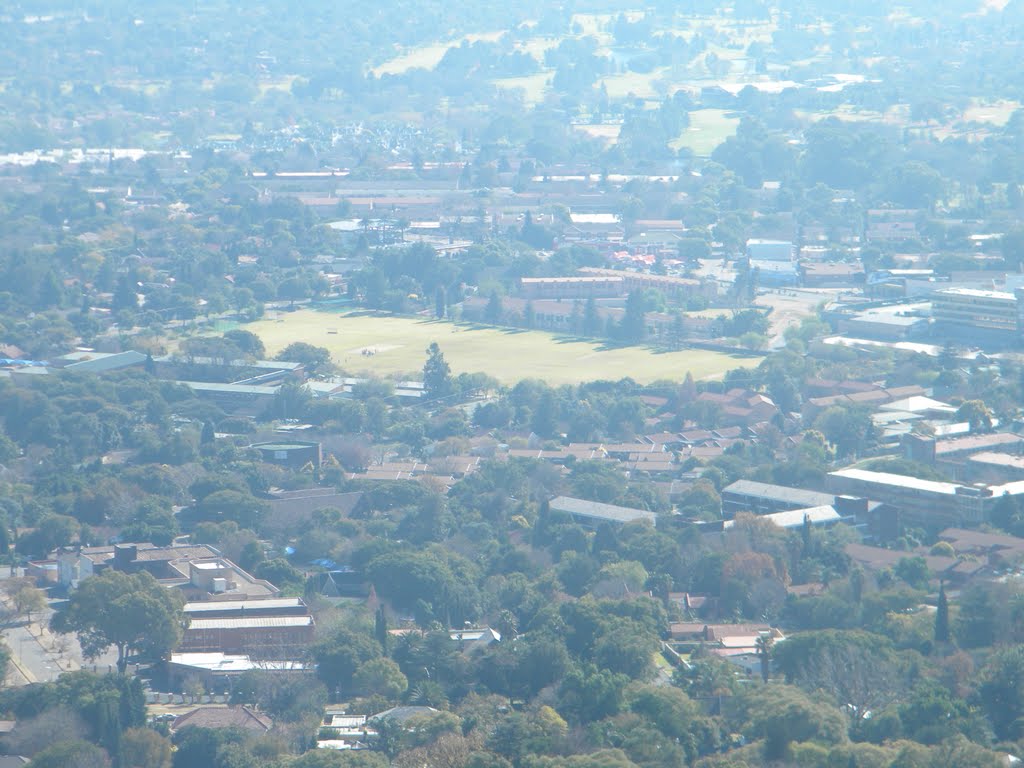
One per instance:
(252, 622)
(783, 493)
(238, 605)
(601, 511)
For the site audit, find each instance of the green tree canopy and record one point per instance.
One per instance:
(131, 611)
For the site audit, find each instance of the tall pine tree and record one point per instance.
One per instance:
(942, 616)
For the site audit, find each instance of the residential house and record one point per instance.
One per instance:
(238, 717)
(873, 398)
(740, 407)
(952, 570)
(345, 731)
(738, 644)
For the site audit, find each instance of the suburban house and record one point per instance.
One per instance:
(739, 644)
(740, 407)
(953, 570)
(242, 718)
(341, 730)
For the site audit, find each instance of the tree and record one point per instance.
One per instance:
(859, 669)
(1001, 689)
(24, 596)
(208, 436)
(316, 360)
(144, 748)
(71, 754)
(437, 374)
(380, 677)
(248, 342)
(976, 414)
(848, 429)
(764, 655)
(634, 321)
(340, 655)
(329, 758)
(942, 617)
(493, 311)
(591, 319)
(440, 302)
(241, 507)
(132, 612)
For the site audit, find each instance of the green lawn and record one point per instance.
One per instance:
(708, 128)
(507, 355)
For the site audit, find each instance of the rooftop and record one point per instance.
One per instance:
(902, 481)
(994, 458)
(235, 389)
(976, 442)
(976, 293)
(807, 499)
(794, 518)
(252, 622)
(212, 606)
(224, 717)
(597, 510)
(962, 539)
(225, 663)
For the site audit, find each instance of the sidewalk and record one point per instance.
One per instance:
(53, 644)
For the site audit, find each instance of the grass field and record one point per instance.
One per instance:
(400, 348)
(534, 87)
(708, 128)
(427, 56)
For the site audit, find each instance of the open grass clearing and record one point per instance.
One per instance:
(427, 56)
(399, 347)
(708, 128)
(534, 87)
(644, 85)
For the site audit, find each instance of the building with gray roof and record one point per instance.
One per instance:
(593, 513)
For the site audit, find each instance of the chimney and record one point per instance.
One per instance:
(124, 556)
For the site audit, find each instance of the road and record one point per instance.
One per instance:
(38, 655)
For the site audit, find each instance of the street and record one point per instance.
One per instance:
(38, 655)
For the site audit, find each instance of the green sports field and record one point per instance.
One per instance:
(399, 344)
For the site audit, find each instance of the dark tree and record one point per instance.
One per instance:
(437, 374)
(440, 302)
(942, 617)
(493, 311)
